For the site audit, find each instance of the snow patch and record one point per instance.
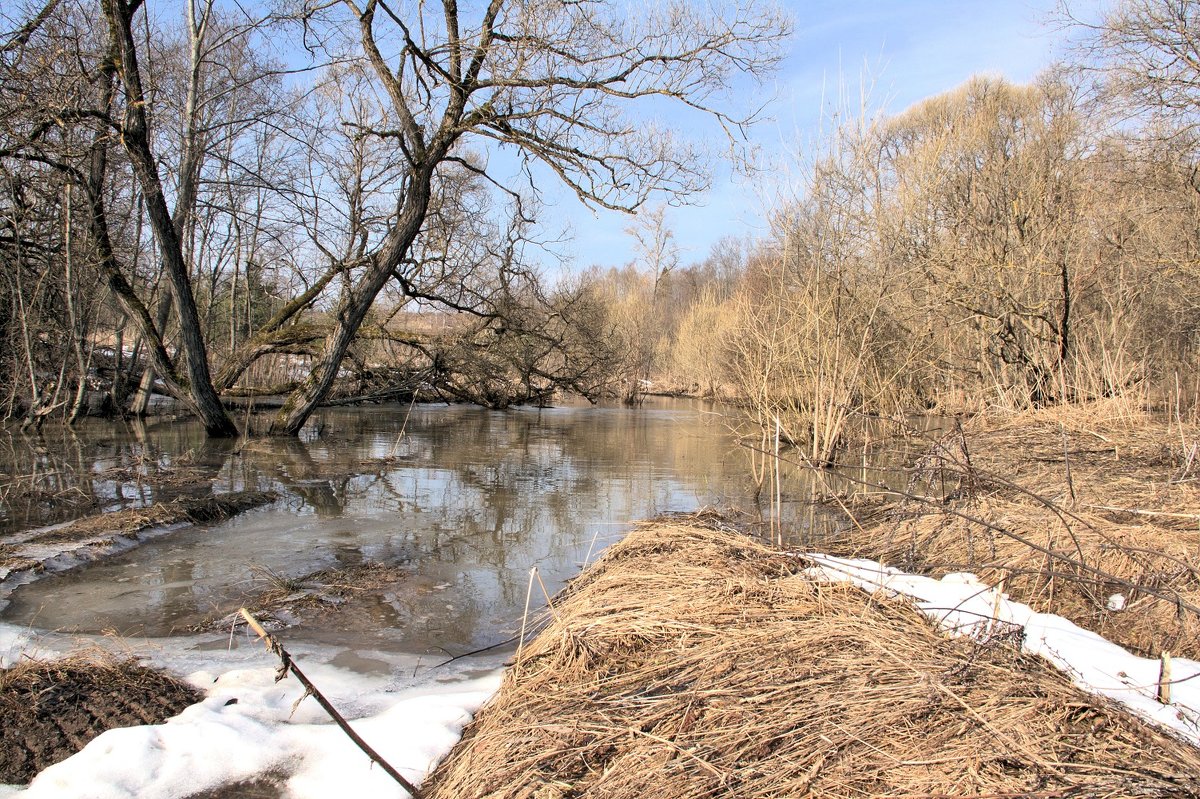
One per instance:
(963, 605)
(249, 726)
(15, 642)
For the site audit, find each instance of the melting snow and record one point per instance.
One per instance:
(961, 604)
(248, 726)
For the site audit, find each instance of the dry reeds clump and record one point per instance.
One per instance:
(1136, 584)
(15, 554)
(53, 708)
(1085, 514)
(691, 662)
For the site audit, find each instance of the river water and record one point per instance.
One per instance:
(467, 500)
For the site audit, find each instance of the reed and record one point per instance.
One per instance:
(694, 662)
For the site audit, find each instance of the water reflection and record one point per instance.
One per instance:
(61, 472)
(467, 499)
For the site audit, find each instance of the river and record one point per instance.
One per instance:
(467, 500)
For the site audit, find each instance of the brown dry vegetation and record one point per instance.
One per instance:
(276, 600)
(1068, 507)
(695, 662)
(99, 530)
(52, 709)
(996, 247)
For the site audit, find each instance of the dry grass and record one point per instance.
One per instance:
(130, 523)
(278, 600)
(1068, 508)
(1071, 571)
(52, 709)
(196, 511)
(692, 662)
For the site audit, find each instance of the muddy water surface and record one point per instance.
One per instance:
(467, 499)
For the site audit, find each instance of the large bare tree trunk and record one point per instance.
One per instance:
(310, 393)
(135, 136)
(106, 258)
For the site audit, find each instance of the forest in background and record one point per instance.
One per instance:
(177, 216)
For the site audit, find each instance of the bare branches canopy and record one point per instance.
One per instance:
(554, 80)
(262, 193)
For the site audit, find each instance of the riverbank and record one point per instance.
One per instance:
(1088, 512)
(692, 661)
(753, 632)
(31, 554)
(249, 735)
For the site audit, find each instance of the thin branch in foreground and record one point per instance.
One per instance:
(286, 664)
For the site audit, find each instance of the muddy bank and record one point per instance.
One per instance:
(52, 709)
(693, 662)
(1083, 512)
(26, 556)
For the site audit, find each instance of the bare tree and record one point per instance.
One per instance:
(984, 207)
(554, 80)
(53, 99)
(655, 244)
(83, 100)
(1147, 54)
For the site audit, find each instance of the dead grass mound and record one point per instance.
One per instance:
(52, 709)
(93, 530)
(1069, 509)
(693, 662)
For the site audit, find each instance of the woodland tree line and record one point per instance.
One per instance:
(204, 200)
(309, 202)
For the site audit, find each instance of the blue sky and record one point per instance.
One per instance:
(910, 49)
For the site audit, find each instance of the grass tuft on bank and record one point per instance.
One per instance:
(694, 662)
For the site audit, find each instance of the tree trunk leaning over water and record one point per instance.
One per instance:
(309, 394)
(556, 81)
(135, 137)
